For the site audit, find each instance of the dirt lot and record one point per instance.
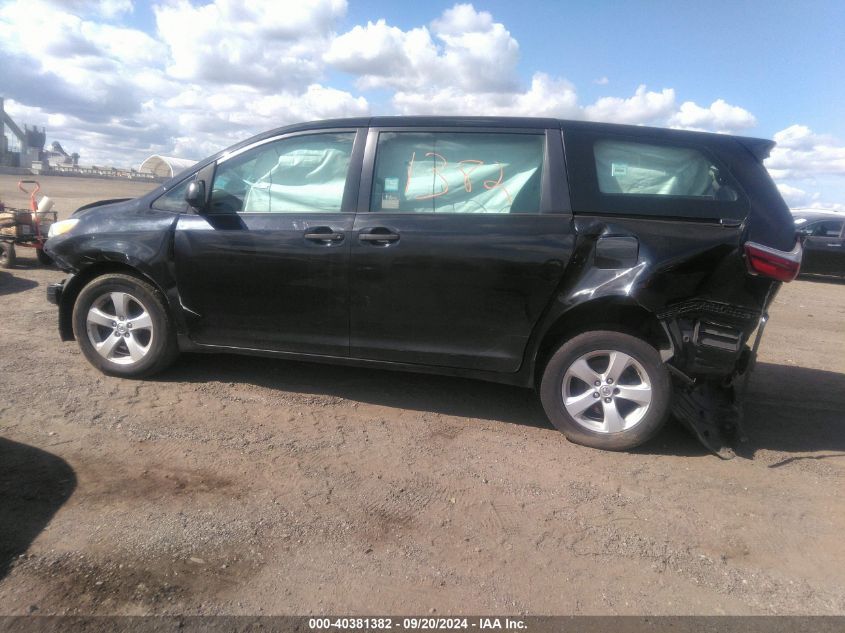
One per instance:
(71, 193)
(243, 485)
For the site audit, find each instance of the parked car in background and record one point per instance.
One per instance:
(823, 234)
(619, 270)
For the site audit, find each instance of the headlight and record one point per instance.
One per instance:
(60, 228)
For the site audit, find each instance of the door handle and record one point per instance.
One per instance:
(324, 235)
(379, 236)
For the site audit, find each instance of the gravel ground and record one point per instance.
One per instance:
(246, 485)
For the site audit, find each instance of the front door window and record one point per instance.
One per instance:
(292, 175)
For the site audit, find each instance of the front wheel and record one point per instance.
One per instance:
(606, 390)
(122, 327)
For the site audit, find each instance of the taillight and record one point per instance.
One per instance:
(770, 262)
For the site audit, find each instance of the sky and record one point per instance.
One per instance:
(118, 80)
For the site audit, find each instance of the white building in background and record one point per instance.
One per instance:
(165, 166)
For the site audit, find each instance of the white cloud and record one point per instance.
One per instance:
(801, 154)
(317, 101)
(799, 137)
(82, 65)
(464, 62)
(645, 107)
(545, 97)
(129, 47)
(379, 54)
(798, 199)
(262, 43)
(462, 19)
(479, 54)
(464, 49)
(719, 117)
(107, 9)
(114, 8)
(795, 197)
(802, 162)
(115, 94)
(216, 71)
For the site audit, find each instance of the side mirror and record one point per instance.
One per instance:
(195, 195)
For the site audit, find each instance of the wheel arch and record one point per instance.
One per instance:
(84, 277)
(616, 313)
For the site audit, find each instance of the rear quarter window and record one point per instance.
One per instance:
(612, 174)
(625, 168)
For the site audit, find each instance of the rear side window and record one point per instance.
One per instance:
(433, 172)
(641, 169)
(627, 174)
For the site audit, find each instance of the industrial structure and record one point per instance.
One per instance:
(30, 143)
(29, 153)
(25, 153)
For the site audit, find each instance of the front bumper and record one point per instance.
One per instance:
(54, 292)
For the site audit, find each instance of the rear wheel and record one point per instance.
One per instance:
(606, 390)
(7, 255)
(122, 326)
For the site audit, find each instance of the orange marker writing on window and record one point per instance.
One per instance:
(437, 173)
(497, 184)
(410, 172)
(467, 181)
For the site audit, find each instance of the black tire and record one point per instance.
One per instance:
(648, 419)
(7, 255)
(43, 258)
(160, 345)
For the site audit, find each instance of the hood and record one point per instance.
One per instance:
(113, 202)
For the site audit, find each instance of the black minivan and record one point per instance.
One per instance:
(620, 270)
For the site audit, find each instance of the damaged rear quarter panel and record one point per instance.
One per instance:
(684, 266)
(684, 276)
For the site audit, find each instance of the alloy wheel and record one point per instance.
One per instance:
(120, 328)
(606, 391)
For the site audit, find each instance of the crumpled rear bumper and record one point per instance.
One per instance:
(712, 409)
(709, 338)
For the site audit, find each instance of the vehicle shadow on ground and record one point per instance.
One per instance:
(822, 280)
(9, 284)
(34, 484)
(29, 262)
(420, 392)
(796, 410)
(788, 409)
